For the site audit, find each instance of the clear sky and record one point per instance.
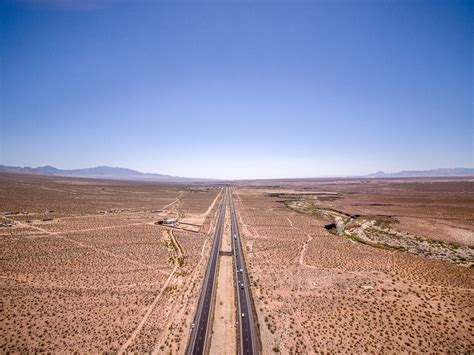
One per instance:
(237, 89)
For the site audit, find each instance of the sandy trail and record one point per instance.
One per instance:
(147, 314)
(211, 206)
(238, 196)
(171, 275)
(113, 254)
(75, 288)
(185, 295)
(124, 213)
(101, 228)
(50, 188)
(170, 204)
(305, 243)
(355, 273)
(99, 250)
(157, 298)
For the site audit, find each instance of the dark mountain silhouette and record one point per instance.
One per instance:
(99, 172)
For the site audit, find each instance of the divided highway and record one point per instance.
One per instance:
(202, 326)
(247, 330)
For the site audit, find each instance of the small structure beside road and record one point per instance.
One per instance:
(171, 222)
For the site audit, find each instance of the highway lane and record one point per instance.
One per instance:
(201, 332)
(247, 329)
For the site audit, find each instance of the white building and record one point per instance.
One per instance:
(170, 221)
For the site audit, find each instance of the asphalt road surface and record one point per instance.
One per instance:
(202, 325)
(247, 330)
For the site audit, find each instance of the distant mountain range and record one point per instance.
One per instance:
(109, 173)
(426, 173)
(99, 172)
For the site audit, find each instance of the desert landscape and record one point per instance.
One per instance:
(334, 265)
(236, 177)
(321, 282)
(86, 268)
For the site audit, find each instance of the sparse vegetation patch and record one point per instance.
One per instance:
(379, 232)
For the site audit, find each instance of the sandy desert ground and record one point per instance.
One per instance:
(84, 267)
(349, 266)
(317, 290)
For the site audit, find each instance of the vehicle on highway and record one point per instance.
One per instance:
(243, 315)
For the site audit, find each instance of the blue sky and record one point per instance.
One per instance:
(237, 89)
